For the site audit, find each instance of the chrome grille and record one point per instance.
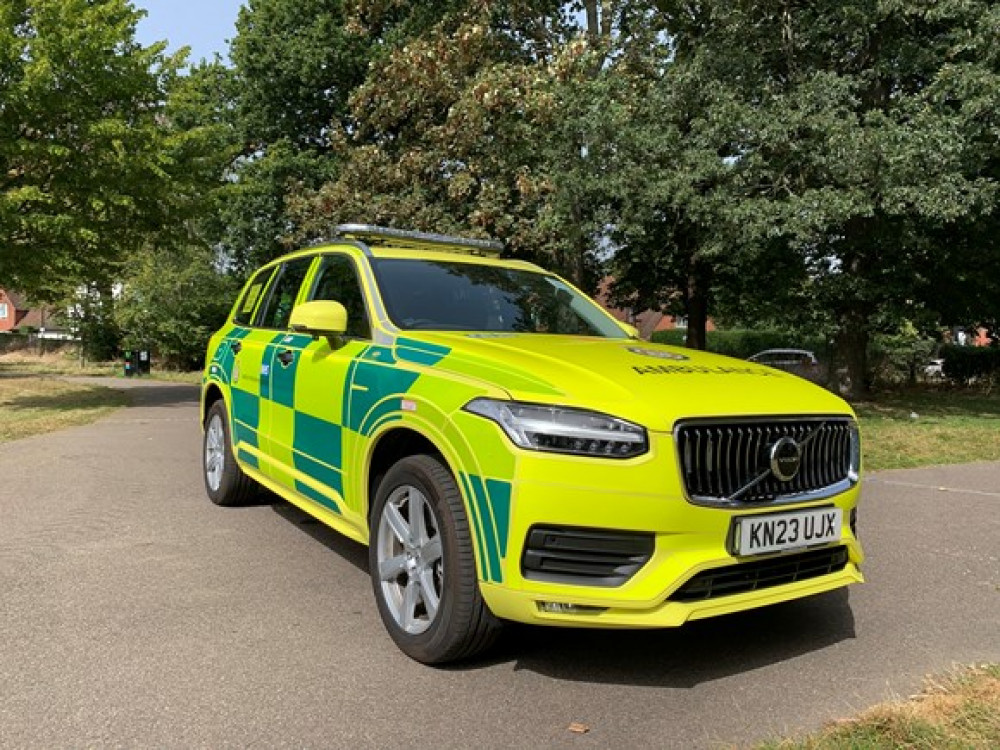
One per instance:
(728, 463)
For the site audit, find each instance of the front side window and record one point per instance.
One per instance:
(281, 298)
(337, 280)
(456, 296)
(3, 311)
(248, 302)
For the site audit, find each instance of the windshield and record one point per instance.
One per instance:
(444, 296)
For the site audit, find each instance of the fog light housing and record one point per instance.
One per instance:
(562, 608)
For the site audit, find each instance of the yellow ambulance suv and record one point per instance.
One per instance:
(509, 451)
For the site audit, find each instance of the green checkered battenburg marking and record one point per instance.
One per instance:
(318, 443)
(490, 504)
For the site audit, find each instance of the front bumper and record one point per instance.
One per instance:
(636, 495)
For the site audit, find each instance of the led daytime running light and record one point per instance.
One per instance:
(556, 429)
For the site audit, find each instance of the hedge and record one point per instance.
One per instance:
(966, 364)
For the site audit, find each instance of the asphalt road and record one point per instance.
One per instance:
(133, 613)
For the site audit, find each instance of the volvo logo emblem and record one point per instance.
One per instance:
(786, 458)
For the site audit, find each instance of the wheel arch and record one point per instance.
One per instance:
(213, 392)
(392, 445)
(409, 438)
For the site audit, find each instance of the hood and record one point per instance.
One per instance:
(650, 384)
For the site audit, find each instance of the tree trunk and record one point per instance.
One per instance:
(852, 354)
(593, 23)
(696, 303)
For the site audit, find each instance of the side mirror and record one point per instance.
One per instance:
(320, 318)
(630, 330)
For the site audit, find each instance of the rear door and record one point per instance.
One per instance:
(236, 361)
(276, 364)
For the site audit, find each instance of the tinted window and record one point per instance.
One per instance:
(447, 296)
(337, 280)
(244, 310)
(284, 290)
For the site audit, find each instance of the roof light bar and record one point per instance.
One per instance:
(372, 234)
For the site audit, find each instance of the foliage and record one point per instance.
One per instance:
(172, 301)
(899, 357)
(969, 364)
(491, 122)
(92, 316)
(859, 149)
(295, 64)
(84, 171)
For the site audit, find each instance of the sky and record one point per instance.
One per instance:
(203, 25)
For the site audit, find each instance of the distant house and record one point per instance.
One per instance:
(647, 321)
(18, 316)
(13, 309)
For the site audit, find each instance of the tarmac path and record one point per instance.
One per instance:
(134, 613)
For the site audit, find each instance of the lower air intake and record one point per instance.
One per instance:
(587, 557)
(761, 574)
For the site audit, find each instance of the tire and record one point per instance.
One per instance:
(424, 577)
(225, 481)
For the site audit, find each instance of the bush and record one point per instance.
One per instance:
(969, 364)
(895, 359)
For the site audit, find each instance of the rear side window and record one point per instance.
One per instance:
(337, 280)
(281, 297)
(245, 308)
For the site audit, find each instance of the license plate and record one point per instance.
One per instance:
(756, 535)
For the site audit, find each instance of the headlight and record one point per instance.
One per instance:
(559, 430)
(854, 473)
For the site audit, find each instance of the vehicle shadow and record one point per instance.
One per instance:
(354, 553)
(701, 651)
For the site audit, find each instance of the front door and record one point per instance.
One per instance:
(309, 396)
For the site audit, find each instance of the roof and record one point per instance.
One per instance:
(42, 317)
(385, 242)
(16, 299)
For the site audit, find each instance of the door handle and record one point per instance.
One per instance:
(286, 357)
(236, 346)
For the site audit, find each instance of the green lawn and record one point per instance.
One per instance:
(927, 427)
(32, 405)
(66, 363)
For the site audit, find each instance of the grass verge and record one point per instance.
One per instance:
(959, 711)
(32, 405)
(53, 363)
(67, 363)
(928, 427)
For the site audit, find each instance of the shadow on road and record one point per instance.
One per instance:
(354, 553)
(701, 651)
(698, 652)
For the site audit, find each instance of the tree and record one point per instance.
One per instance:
(852, 156)
(83, 170)
(172, 301)
(295, 65)
(493, 120)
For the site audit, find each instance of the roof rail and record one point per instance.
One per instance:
(372, 235)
